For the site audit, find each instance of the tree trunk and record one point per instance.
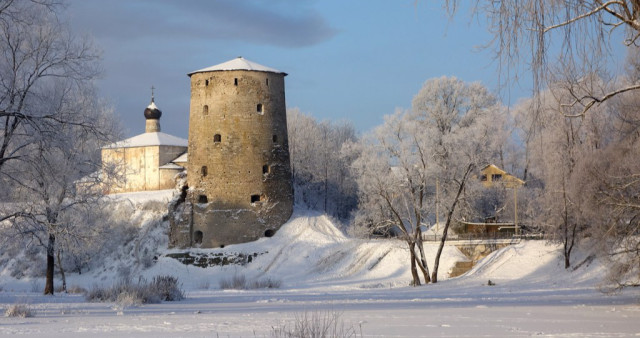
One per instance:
(414, 270)
(434, 276)
(48, 285)
(62, 276)
(568, 238)
(423, 259)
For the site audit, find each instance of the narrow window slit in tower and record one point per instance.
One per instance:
(206, 83)
(266, 169)
(259, 109)
(217, 138)
(235, 81)
(275, 138)
(203, 171)
(197, 237)
(205, 110)
(267, 82)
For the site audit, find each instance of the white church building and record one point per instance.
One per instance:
(148, 161)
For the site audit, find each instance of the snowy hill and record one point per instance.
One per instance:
(320, 270)
(308, 252)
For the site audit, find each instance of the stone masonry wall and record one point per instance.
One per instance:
(238, 173)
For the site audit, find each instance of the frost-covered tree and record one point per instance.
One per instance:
(465, 127)
(572, 34)
(51, 126)
(37, 52)
(56, 186)
(451, 131)
(560, 147)
(611, 188)
(320, 173)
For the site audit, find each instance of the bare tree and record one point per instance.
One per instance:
(320, 173)
(393, 182)
(58, 179)
(559, 150)
(450, 131)
(36, 52)
(51, 123)
(526, 32)
(610, 189)
(465, 126)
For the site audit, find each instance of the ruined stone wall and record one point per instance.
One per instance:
(137, 167)
(238, 171)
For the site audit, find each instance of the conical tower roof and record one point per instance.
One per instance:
(238, 63)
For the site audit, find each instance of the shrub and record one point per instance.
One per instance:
(167, 287)
(36, 286)
(316, 324)
(266, 283)
(127, 299)
(76, 289)
(127, 293)
(19, 310)
(239, 282)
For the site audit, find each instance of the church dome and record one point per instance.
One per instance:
(152, 112)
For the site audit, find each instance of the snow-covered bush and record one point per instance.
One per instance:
(167, 287)
(237, 282)
(240, 282)
(161, 288)
(265, 283)
(316, 324)
(19, 310)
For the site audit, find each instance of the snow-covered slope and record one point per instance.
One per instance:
(321, 270)
(308, 252)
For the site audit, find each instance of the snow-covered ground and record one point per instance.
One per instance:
(323, 271)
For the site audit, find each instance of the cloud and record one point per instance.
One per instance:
(290, 24)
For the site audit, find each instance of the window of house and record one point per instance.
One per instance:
(205, 110)
(275, 138)
(266, 169)
(206, 83)
(197, 237)
(260, 109)
(203, 199)
(203, 170)
(217, 138)
(235, 81)
(496, 177)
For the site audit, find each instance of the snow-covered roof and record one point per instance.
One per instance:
(171, 166)
(182, 158)
(149, 139)
(238, 63)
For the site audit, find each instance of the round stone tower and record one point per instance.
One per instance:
(238, 175)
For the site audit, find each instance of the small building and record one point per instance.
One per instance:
(497, 184)
(492, 175)
(148, 161)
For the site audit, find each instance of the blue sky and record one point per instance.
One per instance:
(346, 60)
